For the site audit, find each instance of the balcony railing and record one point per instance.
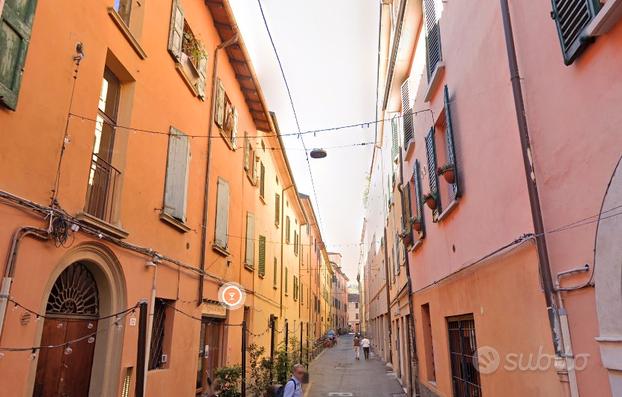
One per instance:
(102, 185)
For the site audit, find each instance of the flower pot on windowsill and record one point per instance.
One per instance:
(406, 237)
(448, 172)
(417, 224)
(430, 201)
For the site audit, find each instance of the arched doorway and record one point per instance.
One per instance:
(71, 324)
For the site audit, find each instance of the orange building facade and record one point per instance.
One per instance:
(139, 163)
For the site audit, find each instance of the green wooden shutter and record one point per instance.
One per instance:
(262, 256)
(571, 18)
(451, 146)
(419, 198)
(433, 36)
(286, 276)
(430, 147)
(287, 229)
(277, 209)
(222, 214)
(274, 273)
(250, 240)
(176, 30)
(176, 183)
(408, 126)
(262, 180)
(219, 104)
(15, 30)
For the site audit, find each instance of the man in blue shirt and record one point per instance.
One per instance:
(293, 388)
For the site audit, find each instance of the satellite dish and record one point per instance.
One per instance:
(318, 153)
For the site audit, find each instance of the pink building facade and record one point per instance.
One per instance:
(506, 122)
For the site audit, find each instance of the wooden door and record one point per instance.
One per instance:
(210, 354)
(65, 371)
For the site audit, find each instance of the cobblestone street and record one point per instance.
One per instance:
(335, 373)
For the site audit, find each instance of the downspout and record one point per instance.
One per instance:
(152, 263)
(299, 273)
(282, 225)
(413, 373)
(222, 45)
(530, 175)
(9, 270)
(386, 285)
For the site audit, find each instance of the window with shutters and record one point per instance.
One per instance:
(221, 236)
(124, 9)
(571, 18)
(249, 257)
(295, 288)
(128, 16)
(15, 29)
(251, 161)
(302, 288)
(160, 334)
(176, 182)
(408, 125)
(432, 14)
(417, 221)
(262, 256)
(262, 180)
(286, 279)
(226, 116)
(443, 167)
(104, 178)
(295, 242)
(275, 274)
(287, 230)
(187, 51)
(277, 209)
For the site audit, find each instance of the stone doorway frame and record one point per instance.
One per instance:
(108, 273)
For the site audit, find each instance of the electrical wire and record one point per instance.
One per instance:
(291, 102)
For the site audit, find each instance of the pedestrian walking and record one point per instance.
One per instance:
(357, 347)
(365, 343)
(293, 387)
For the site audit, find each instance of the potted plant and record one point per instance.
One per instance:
(417, 224)
(229, 381)
(430, 200)
(406, 237)
(192, 52)
(448, 172)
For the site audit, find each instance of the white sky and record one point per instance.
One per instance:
(329, 53)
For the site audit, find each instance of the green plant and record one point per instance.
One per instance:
(259, 377)
(229, 381)
(193, 47)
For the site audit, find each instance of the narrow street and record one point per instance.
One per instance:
(336, 373)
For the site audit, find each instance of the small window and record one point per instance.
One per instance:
(124, 9)
(226, 116)
(221, 239)
(158, 352)
(295, 288)
(286, 279)
(262, 256)
(295, 242)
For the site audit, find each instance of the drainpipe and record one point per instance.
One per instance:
(9, 270)
(222, 45)
(413, 374)
(152, 263)
(530, 175)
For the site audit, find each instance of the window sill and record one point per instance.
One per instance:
(416, 245)
(605, 19)
(410, 149)
(252, 180)
(125, 30)
(249, 267)
(263, 200)
(186, 79)
(175, 223)
(262, 276)
(274, 287)
(221, 250)
(447, 211)
(435, 81)
(113, 230)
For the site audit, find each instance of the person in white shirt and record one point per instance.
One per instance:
(293, 387)
(365, 343)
